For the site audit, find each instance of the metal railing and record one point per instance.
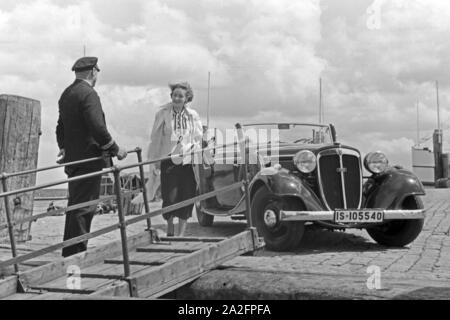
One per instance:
(122, 223)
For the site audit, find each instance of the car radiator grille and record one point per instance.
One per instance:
(333, 190)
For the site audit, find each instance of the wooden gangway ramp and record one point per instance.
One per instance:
(158, 266)
(141, 266)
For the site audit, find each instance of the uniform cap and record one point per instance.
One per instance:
(86, 63)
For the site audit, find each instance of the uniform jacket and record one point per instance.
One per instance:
(81, 130)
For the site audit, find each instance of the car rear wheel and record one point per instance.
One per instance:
(399, 233)
(204, 219)
(278, 236)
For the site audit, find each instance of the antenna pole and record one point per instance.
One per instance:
(438, 108)
(418, 125)
(209, 97)
(84, 51)
(320, 100)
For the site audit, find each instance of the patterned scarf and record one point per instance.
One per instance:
(180, 123)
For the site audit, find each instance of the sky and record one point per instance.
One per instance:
(377, 60)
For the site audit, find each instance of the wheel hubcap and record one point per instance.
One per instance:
(270, 218)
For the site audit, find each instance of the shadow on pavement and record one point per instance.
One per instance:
(315, 240)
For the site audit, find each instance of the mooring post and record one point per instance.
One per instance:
(9, 220)
(144, 188)
(123, 227)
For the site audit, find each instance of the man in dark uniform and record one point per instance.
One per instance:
(81, 134)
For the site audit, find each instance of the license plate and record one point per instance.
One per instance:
(358, 216)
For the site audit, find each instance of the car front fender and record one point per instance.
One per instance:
(389, 190)
(284, 184)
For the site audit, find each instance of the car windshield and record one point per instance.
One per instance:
(288, 133)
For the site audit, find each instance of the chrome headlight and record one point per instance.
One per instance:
(305, 161)
(376, 162)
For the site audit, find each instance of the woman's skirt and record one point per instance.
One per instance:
(177, 184)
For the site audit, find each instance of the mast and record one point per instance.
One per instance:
(438, 112)
(320, 101)
(209, 97)
(418, 124)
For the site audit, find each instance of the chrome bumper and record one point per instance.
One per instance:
(329, 215)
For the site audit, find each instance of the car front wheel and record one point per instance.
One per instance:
(278, 235)
(399, 233)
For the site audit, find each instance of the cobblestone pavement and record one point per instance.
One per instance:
(425, 262)
(350, 253)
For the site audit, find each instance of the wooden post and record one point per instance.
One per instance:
(437, 149)
(20, 128)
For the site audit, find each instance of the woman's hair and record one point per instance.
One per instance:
(185, 86)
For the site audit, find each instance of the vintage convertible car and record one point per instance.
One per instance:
(302, 175)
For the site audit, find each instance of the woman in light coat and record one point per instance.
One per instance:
(177, 129)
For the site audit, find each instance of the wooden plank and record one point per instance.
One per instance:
(136, 263)
(188, 267)
(65, 290)
(174, 250)
(146, 259)
(191, 239)
(8, 286)
(91, 257)
(51, 296)
(21, 296)
(112, 270)
(176, 247)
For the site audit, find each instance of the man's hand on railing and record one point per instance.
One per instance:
(60, 157)
(122, 154)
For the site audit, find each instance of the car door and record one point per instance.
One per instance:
(223, 171)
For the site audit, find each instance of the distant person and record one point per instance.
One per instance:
(81, 133)
(177, 129)
(52, 207)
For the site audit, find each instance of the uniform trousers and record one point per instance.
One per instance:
(78, 222)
